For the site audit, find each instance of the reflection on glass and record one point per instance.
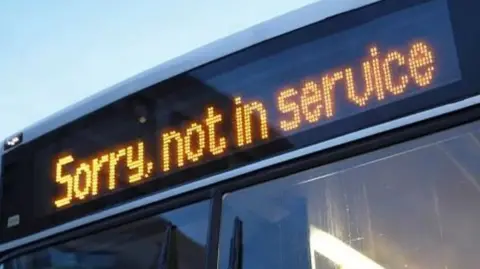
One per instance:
(411, 205)
(136, 245)
(337, 251)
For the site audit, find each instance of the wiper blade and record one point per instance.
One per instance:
(167, 258)
(236, 245)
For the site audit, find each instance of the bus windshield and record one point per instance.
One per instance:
(412, 205)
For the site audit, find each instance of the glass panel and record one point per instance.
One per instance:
(412, 205)
(136, 245)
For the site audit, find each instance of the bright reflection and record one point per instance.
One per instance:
(337, 251)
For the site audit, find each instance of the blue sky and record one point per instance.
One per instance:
(55, 53)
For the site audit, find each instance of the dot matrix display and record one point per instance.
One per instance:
(383, 75)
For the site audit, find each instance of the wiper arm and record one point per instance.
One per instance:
(167, 258)
(236, 245)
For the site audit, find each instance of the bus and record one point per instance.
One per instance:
(344, 134)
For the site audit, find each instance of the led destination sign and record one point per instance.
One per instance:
(385, 74)
(395, 57)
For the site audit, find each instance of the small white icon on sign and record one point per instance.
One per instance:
(13, 141)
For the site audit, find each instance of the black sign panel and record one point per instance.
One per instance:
(350, 72)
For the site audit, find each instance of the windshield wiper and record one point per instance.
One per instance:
(236, 245)
(167, 258)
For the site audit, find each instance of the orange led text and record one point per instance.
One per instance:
(190, 144)
(81, 178)
(380, 76)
